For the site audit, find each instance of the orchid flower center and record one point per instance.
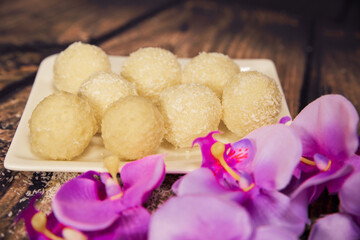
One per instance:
(112, 165)
(38, 222)
(320, 161)
(245, 181)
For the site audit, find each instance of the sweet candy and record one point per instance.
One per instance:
(152, 70)
(103, 88)
(132, 128)
(250, 100)
(76, 63)
(190, 111)
(61, 126)
(211, 69)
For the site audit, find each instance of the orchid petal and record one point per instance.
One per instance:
(273, 232)
(78, 204)
(278, 151)
(203, 181)
(133, 223)
(350, 196)
(355, 162)
(140, 178)
(328, 126)
(27, 215)
(334, 227)
(52, 224)
(205, 144)
(200, 217)
(323, 178)
(274, 208)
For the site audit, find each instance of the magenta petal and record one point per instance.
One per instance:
(274, 208)
(350, 195)
(132, 224)
(27, 215)
(203, 181)
(278, 151)
(328, 126)
(205, 144)
(77, 204)
(200, 217)
(355, 162)
(323, 178)
(334, 227)
(140, 178)
(272, 232)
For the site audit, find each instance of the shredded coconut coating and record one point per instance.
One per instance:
(190, 111)
(211, 69)
(250, 100)
(76, 63)
(152, 70)
(103, 88)
(132, 128)
(61, 126)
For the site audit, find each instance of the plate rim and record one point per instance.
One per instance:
(11, 161)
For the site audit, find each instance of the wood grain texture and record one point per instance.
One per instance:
(339, 65)
(55, 22)
(232, 29)
(312, 58)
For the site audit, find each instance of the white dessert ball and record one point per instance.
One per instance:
(211, 69)
(152, 70)
(103, 88)
(132, 128)
(190, 111)
(76, 63)
(61, 126)
(250, 100)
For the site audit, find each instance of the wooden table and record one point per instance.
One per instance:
(315, 52)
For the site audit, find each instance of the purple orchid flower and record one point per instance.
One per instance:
(327, 128)
(97, 205)
(346, 224)
(208, 217)
(94, 205)
(251, 172)
(42, 227)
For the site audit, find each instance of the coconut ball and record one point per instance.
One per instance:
(76, 63)
(152, 70)
(190, 111)
(61, 126)
(211, 69)
(250, 100)
(103, 88)
(132, 128)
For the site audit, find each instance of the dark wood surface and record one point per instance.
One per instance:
(315, 52)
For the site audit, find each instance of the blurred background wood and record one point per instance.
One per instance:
(315, 46)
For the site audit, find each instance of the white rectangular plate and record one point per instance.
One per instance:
(21, 158)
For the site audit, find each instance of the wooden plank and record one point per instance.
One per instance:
(62, 22)
(232, 29)
(338, 62)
